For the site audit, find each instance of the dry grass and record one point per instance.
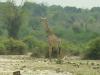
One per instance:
(40, 66)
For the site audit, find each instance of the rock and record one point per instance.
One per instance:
(16, 73)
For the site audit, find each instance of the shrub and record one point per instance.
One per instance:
(30, 41)
(76, 29)
(2, 49)
(58, 61)
(71, 48)
(15, 46)
(40, 49)
(36, 52)
(37, 47)
(93, 49)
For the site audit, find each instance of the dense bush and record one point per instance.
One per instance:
(15, 46)
(37, 47)
(40, 50)
(71, 48)
(30, 41)
(93, 49)
(12, 46)
(2, 49)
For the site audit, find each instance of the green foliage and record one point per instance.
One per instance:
(76, 29)
(11, 18)
(58, 61)
(71, 48)
(20, 21)
(36, 46)
(2, 49)
(15, 46)
(69, 23)
(93, 49)
(12, 46)
(29, 41)
(33, 42)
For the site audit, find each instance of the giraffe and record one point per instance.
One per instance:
(54, 42)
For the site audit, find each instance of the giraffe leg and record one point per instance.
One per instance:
(59, 53)
(50, 52)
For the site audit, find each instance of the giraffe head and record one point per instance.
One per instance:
(44, 19)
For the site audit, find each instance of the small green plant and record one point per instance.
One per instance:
(58, 61)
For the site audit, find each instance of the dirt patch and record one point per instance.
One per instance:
(9, 64)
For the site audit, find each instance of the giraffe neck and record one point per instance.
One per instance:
(48, 30)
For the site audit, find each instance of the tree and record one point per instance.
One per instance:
(12, 18)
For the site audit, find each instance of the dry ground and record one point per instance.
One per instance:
(40, 66)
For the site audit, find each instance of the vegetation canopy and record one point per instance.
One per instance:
(21, 30)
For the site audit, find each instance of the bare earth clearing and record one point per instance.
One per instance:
(40, 66)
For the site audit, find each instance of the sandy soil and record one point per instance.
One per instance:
(29, 66)
(40, 66)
